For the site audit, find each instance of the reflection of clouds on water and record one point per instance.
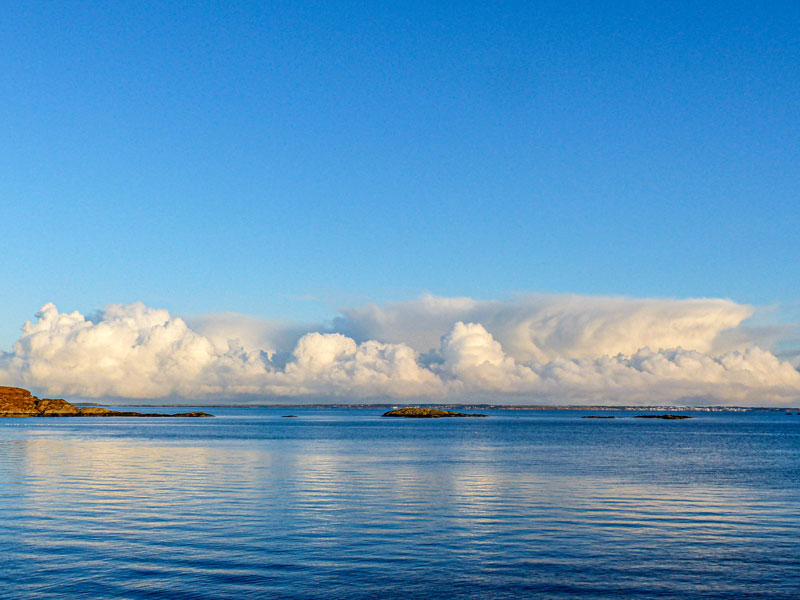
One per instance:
(257, 506)
(114, 479)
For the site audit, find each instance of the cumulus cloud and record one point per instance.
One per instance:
(133, 351)
(553, 349)
(474, 360)
(475, 363)
(546, 327)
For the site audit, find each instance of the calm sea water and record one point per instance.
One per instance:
(340, 503)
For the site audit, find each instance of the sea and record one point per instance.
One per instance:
(344, 503)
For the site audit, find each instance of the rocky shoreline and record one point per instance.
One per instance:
(19, 402)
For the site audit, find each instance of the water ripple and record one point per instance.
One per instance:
(342, 504)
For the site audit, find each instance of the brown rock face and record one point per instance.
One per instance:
(17, 402)
(13, 393)
(55, 407)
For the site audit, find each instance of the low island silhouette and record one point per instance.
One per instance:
(416, 412)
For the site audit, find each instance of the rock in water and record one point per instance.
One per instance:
(415, 412)
(95, 411)
(18, 402)
(55, 407)
(666, 416)
(597, 417)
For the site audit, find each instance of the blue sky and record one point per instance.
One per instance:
(281, 160)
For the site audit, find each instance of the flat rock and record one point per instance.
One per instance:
(95, 411)
(415, 412)
(666, 416)
(105, 412)
(597, 417)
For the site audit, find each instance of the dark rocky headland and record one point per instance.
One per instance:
(415, 412)
(18, 402)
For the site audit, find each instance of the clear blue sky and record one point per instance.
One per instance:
(234, 156)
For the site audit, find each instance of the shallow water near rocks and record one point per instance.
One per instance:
(341, 503)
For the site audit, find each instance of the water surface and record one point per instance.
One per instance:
(340, 503)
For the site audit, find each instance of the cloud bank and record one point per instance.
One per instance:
(532, 349)
(546, 327)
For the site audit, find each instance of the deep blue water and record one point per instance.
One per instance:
(341, 503)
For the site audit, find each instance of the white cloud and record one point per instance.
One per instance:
(545, 327)
(223, 328)
(552, 349)
(138, 352)
(334, 364)
(473, 359)
(134, 351)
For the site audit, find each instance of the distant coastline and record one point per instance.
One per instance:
(445, 406)
(13, 399)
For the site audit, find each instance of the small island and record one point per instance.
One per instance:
(668, 416)
(415, 412)
(597, 417)
(19, 402)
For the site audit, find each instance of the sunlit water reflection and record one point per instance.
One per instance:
(341, 503)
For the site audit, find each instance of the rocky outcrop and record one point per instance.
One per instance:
(415, 412)
(55, 407)
(95, 411)
(666, 416)
(597, 417)
(104, 412)
(18, 402)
